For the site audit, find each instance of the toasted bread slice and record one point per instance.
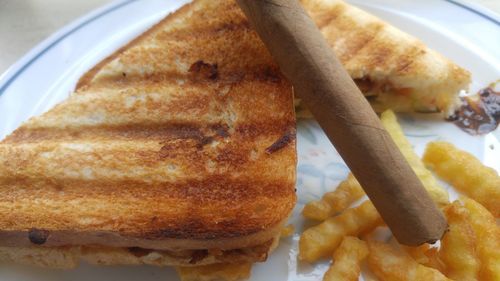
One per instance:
(394, 69)
(168, 145)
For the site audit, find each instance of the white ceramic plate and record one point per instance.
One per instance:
(468, 35)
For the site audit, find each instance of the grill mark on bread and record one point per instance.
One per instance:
(324, 19)
(135, 132)
(176, 57)
(226, 76)
(381, 54)
(364, 37)
(208, 188)
(282, 142)
(217, 28)
(118, 132)
(408, 58)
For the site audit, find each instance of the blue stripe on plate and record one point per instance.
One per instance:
(470, 9)
(37, 56)
(26, 65)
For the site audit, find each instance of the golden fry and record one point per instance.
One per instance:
(418, 253)
(347, 259)
(433, 260)
(458, 246)
(466, 173)
(425, 255)
(215, 272)
(322, 240)
(438, 194)
(336, 201)
(390, 264)
(287, 230)
(488, 239)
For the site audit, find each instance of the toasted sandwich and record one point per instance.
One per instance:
(179, 148)
(393, 69)
(176, 150)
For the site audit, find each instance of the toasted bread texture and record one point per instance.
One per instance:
(392, 68)
(170, 144)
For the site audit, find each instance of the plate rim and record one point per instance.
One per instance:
(16, 70)
(18, 67)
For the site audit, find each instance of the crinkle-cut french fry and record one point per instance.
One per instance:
(466, 173)
(287, 230)
(434, 260)
(425, 255)
(488, 239)
(346, 260)
(418, 253)
(322, 240)
(215, 272)
(390, 264)
(335, 201)
(438, 194)
(458, 246)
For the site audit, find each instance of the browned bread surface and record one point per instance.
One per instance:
(394, 69)
(178, 145)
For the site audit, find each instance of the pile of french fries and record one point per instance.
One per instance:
(470, 250)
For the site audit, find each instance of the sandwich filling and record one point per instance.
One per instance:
(70, 256)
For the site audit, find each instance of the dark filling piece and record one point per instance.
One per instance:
(480, 115)
(38, 236)
(255, 253)
(365, 85)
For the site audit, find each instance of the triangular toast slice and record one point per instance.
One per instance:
(177, 147)
(393, 69)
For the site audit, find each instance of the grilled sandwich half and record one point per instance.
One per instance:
(393, 69)
(178, 150)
